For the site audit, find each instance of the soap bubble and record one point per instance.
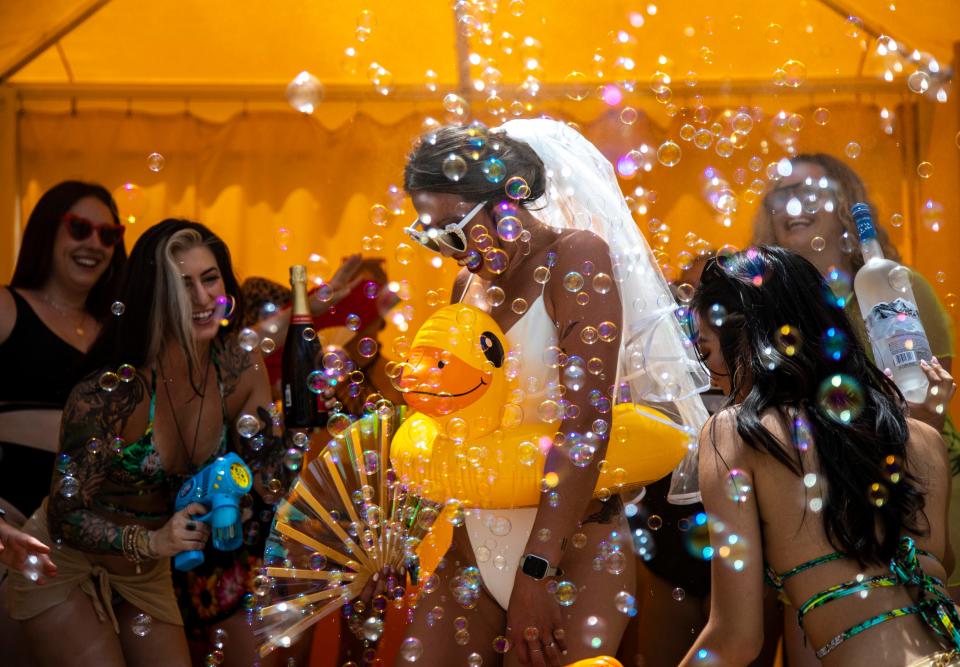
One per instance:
(878, 494)
(566, 593)
(126, 373)
(678, 594)
(32, 567)
(69, 486)
(818, 243)
(155, 162)
(616, 562)
(367, 347)
(494, 170)
(577, 86)
(918, 82)
(788, 340)
(292, 459)
(893, 468)
(337, 423)
(925, 169)
(454, 104)
(509, 228)
(131, 202)
(454, 167)
(366, 22)
(684, 292)
(248, 425)
(141, 625)
(821, 116)
(840, 287)
(702, 138)
(268, 345)
(499, 525)
(794, 73)
(899, 278)
(716, 315)
(495, 296)
(117, 308)
(109, 381)
(466, 587)
(248, 339)
(411, 649)
(840, 398)
(669, 154)
(517, 189)
(573, 281)
(739, 486)
(581, 453)
(834, 344)
(625, 603)
(372, 628)
(496, 261)
(305, 92)
(774, 33)
(501, 644)
(852, 150)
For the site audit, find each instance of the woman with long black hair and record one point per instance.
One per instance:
(814, 479)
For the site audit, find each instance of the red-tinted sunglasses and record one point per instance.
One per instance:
(80, 229)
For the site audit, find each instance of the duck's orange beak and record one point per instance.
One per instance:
(436, 382)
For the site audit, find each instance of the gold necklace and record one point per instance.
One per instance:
(78, 328)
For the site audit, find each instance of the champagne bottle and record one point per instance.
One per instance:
(299, 358)
(890, 312)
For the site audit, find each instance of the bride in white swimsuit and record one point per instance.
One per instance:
(534, 215)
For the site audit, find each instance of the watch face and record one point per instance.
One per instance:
(534, 566)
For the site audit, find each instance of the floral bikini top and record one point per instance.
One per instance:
(138, 467)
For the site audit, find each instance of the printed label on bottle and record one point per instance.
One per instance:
(897, 335)
(287, 396)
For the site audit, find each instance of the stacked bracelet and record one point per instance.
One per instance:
(135, 542)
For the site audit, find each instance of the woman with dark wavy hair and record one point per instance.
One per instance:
(814, 479)
(69, 264)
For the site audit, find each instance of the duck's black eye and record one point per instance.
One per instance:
(441, 363)
(492, 348)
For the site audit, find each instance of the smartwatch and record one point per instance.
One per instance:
(538, 568)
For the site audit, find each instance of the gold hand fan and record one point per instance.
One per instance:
(345, 518)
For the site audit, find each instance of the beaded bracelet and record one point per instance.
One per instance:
(135, 542)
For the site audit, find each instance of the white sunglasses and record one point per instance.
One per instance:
(452, 235)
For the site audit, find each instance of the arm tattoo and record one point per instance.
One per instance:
(234, 360)
(90, 413)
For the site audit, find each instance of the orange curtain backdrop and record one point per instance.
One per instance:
(280, 187)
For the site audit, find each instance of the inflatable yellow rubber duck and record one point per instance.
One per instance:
(467, 441)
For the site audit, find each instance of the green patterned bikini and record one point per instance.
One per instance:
(934, 607)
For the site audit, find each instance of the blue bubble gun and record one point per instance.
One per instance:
(218, 487)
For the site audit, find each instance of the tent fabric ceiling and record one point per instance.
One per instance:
(240, 43)
(28, 26)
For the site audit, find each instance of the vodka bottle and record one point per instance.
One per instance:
(890, 312)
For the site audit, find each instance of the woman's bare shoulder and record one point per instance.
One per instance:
(8, 313)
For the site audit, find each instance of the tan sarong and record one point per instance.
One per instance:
(151, 592)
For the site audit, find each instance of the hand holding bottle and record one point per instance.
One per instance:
(933, 409)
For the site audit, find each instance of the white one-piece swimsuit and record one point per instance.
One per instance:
(498, 537)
